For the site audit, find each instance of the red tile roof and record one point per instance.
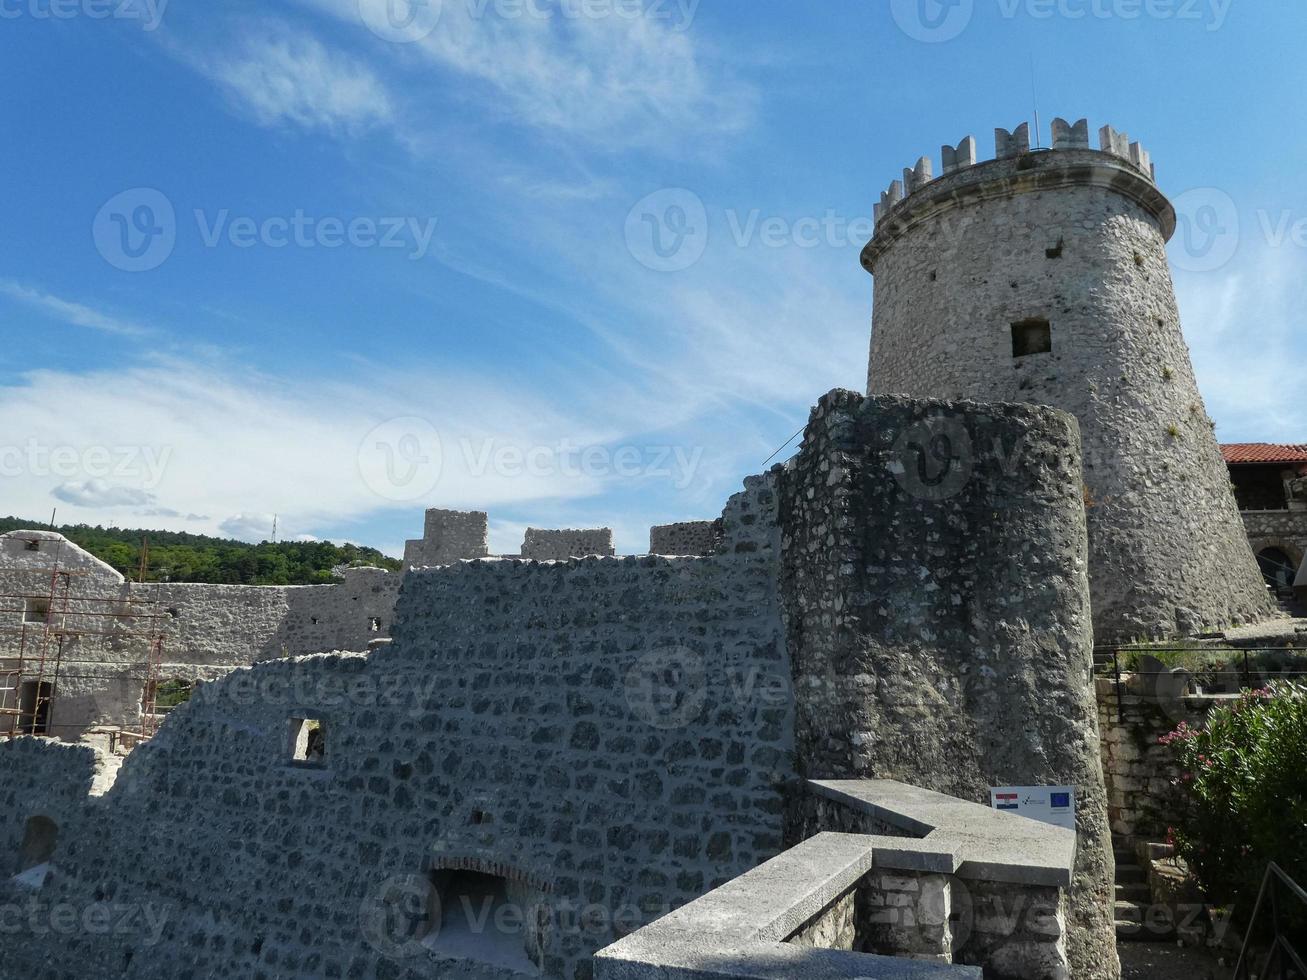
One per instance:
(1264, 452)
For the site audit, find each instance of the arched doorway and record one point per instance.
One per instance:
(1278, 568)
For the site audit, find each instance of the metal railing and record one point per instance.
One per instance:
(1282, 961)
(1245, 665)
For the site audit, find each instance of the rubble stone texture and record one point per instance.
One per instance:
(937, 614)
(564, 544)
(971, 268)
(617, 735)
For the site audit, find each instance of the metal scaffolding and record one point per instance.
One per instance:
(39, 624)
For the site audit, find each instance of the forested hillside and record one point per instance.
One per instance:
(180, 557)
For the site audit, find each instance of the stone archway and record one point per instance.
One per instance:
(483, 911)
(1279, 567)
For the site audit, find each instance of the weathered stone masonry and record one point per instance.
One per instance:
(615, 733)
(937, 613)
(1042, 277)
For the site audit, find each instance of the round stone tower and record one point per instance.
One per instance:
(1041, 276)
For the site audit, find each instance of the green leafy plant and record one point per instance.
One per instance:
(1242, 793)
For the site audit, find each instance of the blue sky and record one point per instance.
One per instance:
(341, 260)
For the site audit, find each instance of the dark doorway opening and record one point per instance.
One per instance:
(1277, 568)
(486, 919)
(39, 840)
(34, 707)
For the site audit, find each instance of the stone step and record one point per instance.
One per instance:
(1129, 874)
(1134, 892)
(1134, 923)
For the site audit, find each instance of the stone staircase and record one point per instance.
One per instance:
(1136, 919)
(1290, 604)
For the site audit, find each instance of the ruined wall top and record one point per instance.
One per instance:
(449, 536)
(43, 551)
(1009, 145)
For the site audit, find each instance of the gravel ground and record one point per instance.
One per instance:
(1162, 961)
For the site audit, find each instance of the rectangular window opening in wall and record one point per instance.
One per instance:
(36, 610)
(168, 694)
(1033, 336)
(308, 742)
(34, 545)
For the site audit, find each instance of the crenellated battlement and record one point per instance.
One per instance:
(1012, 144)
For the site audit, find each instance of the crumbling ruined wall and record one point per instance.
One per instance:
(541, 545)
(206, 630)
(45, 778)
(690, 538)
(937, 613)
(449, 536)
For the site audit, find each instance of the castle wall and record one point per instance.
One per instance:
(1141, 774)
(561, 545)
(938, 615)
(207, 630)
(1283, 529)
(616, 737)
(690, 538)
(1077, 239)
(599, 730)
(449, 536)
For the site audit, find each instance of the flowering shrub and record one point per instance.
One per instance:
(1243, 793)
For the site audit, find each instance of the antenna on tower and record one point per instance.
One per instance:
(274, 528)
(1034, 98)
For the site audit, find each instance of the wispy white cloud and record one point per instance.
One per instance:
(68, 311)
(199, 439)
(618, 81)
(281, 75)
(1243, 328)
(97, 493)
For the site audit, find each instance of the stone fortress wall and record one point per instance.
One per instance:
(1043, 277)
(206, 630)
(561, 545)
(449, 536)
(688, 538)
(617, 734)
